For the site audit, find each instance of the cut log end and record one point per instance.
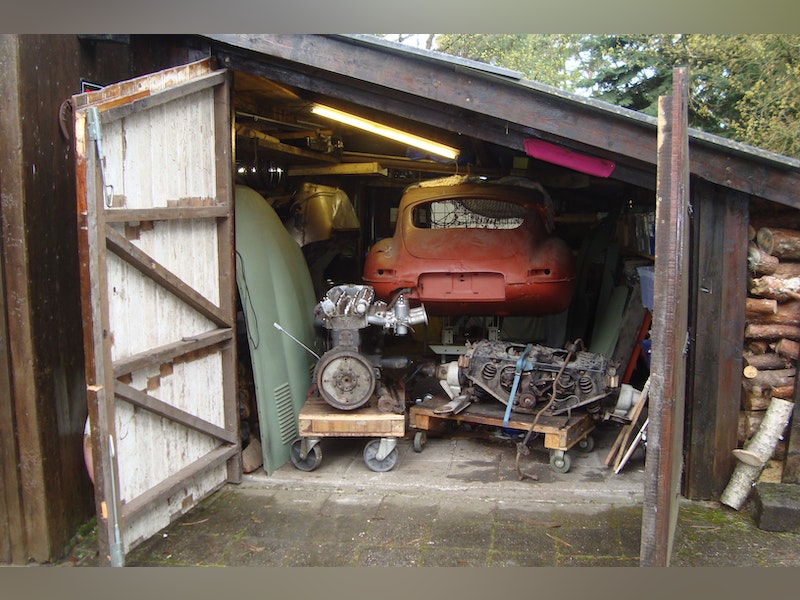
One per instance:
(765, 240)
(748, 458)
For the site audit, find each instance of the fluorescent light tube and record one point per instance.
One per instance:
(385, 131)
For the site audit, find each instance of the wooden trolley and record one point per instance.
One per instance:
(318, 419)
(561, 432)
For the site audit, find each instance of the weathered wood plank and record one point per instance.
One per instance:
(120, 108)
(96, 342)
(128, 252)
(145, 83)
(669, 331)
(162, 409)
(226, 250)
(319, 419)
(560, 432)
(123, 215)
(18, 393)
(158, 356)
(719, 284)
(329, 65)
(169, 486)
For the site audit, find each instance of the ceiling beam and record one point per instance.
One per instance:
(434, 114)
(344, 68)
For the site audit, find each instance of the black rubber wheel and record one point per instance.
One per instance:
(585, 445)
(380, 466)
(420, 438)
(310, 462)
(562, 464)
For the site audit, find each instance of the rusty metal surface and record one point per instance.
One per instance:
(478, 249)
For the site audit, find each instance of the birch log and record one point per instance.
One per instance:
(754, 456)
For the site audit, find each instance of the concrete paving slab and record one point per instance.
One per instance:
(459, 502)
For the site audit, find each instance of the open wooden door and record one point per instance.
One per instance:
(669, 332)
(155, 226)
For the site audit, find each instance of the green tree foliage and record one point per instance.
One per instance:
(741, 86)
(541, 57)
(745, 87)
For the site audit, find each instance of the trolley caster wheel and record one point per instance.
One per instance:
(420, 438)
(380, 455)
(560, 461)
(310, 461)
(585, 445)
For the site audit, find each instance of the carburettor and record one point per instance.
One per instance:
(346, 376)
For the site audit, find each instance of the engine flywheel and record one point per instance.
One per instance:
(345, 379)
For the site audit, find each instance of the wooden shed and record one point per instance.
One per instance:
(241, 104)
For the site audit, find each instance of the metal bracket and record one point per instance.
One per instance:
(306, 445)
(385, 448)
(93, 116)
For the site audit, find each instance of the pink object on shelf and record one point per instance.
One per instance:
(599, 167)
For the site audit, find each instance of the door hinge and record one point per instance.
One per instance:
(93, 116)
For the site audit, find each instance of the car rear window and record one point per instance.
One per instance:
(468, 213)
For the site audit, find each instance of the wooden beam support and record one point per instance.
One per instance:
(791, 467)
(457, 97)
(157, 356)
(719, 289)
(289, 150)
(399, 105)
(356, 168)
(162, 409)
(132, 215)
(162, 276)
(669, 331)
(175, 482)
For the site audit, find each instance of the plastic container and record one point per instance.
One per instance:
(647, 280)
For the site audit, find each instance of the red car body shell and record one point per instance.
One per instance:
(522, 270)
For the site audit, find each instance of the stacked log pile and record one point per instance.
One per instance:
(772, 331)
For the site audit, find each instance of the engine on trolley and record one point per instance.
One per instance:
(532, 377)
(350, 373)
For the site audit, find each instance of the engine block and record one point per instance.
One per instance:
(348, 375)
(571, 379)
